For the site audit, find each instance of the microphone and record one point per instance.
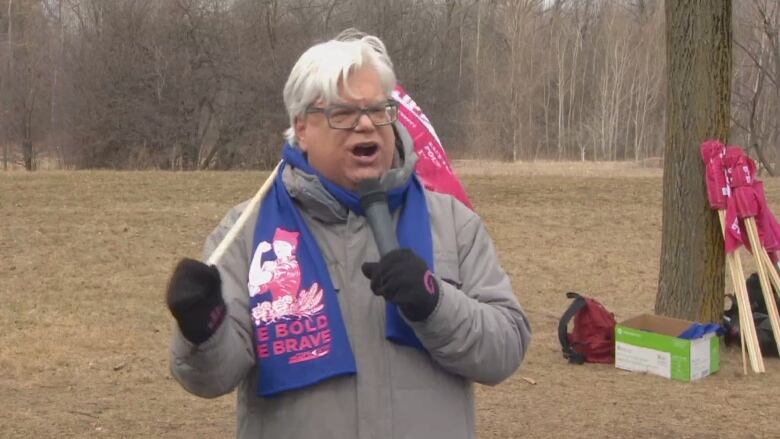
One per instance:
(374, 202)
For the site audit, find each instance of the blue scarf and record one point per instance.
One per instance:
(299, 332)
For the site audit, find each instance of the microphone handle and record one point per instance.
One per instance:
(381, 224)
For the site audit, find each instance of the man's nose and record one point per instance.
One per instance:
(364, 123)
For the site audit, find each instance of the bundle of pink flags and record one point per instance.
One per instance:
(732, 186)
(746, 220)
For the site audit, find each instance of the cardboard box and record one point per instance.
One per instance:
(649, 343)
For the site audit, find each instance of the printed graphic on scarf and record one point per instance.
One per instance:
(288, 318)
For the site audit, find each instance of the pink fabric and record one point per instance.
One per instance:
(746, 201)
(740, 168)
(717, 188)
(732, 185)
(711, 148)
(718, 191)
(433, 166)
(768, 227)
(741, 171)
(734, 230)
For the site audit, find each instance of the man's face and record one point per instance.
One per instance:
(347, 156)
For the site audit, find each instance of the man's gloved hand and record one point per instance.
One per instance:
(194, 297)
(403, 278)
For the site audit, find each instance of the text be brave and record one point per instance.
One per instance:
(291, 337)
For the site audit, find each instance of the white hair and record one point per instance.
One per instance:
(323, 67)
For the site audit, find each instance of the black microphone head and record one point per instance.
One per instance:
(371, 192)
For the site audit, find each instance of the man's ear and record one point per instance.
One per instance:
(300, 133)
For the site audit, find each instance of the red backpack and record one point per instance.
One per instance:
(593, 336)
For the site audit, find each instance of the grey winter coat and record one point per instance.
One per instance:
(477, 333)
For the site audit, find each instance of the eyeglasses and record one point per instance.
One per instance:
(346, 117)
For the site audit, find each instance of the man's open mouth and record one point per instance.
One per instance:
(365, 149)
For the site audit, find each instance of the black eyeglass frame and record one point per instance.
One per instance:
(388, 105)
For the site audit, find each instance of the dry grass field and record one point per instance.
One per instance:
(84, 258)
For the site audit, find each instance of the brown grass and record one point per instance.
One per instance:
(645, 168)
(84, 257)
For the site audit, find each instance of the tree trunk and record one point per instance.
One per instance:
(752, 131)
(561, 59)
(476, 57)
(698, 51)
(27, 153)
(57, 72)
(7, 86)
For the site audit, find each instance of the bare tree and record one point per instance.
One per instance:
(756, 95)
(25, 79)
(196, 84)
(6, 83)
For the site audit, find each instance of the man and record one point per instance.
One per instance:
(349, 345)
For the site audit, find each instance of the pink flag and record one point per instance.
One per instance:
(741, 171)
(433, 166)
(733, 233)
(711, 148)
(718, 191)
(717, 188)
(768, 228)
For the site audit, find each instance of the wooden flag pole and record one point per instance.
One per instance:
(251, 207)
(771, 306)
(746, 324)
(773, 276)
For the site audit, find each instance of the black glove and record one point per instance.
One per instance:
(403, 278)
(194, 297)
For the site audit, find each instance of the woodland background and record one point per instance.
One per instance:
(196, 84)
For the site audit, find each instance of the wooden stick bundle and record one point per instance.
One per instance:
(763, 269)
(747, 327)
(773, 276)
